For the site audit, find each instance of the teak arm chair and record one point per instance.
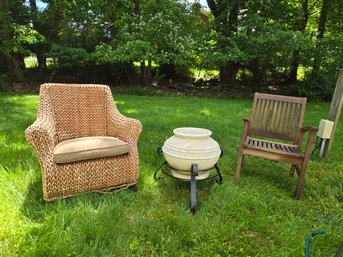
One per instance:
(277, 117)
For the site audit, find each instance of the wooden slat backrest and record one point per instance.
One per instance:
(277, 116)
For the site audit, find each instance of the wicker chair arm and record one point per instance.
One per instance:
(126, 129)
(134, 128)
(42, 135)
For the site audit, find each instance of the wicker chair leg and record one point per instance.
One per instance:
(133, 188)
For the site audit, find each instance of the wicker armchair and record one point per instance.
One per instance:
(72, 111)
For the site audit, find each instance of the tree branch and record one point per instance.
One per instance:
(312, 6)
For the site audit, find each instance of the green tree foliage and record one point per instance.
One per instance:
(272, 40)
(158, 31)
(251, 42)
(16, 34)
(248, 38)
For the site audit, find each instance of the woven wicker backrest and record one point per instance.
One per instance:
(79, 110)
(277, 116)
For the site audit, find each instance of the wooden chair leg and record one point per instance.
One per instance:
(239, 165)
(294, 168)
(300, 183)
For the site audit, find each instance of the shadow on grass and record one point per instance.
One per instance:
(36, 209)
(269, 172)
(16, 114)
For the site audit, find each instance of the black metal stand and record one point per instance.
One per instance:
(165, 168)
(194, 173)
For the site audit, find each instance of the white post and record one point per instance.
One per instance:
(322, 146)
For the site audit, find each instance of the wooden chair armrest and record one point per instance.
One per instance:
(308, 128)
(247, 125)
(312, 131)
(303, 130)
(246, 128)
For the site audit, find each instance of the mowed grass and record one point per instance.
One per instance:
(256, 217)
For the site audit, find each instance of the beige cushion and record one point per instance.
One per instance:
(86, 148)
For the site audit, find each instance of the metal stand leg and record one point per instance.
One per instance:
(194, 173)
(159, 168)
(167, 170)
(219, 181)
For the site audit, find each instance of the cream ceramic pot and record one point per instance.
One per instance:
(191, 145)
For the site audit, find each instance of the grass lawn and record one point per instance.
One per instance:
(256, 217)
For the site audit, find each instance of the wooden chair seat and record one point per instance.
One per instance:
(273, 147)
(279, 118)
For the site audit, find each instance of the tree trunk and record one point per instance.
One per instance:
(3, 64)
(14, 66)
(145, 73)
(4, 37)
(149, 72)
(293, 74)
(213, 7)
(320, 34)
(168, 71)
(33, 5)
(4, 5)
(12, 63)
(257, 74)
(228, 72)
(40, 48)
(41, 61)
(227, 26)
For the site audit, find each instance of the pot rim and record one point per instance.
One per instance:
(181, 132)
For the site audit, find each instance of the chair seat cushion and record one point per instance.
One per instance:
(273, 147)
(86, 148)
